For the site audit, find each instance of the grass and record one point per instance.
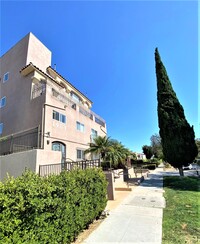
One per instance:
(181, 217)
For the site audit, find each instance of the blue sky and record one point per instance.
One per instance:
(106, 49)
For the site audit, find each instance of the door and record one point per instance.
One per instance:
(59, 146)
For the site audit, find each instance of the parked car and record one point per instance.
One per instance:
(187, 167)
(193, 166)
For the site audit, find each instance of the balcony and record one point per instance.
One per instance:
(38, 90)
(67, 100)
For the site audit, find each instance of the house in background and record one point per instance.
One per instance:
(140, 156)
(41, 110)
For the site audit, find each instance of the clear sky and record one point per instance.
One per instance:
(106, 50)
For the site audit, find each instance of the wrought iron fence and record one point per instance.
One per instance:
(22, 141)
(48, 169)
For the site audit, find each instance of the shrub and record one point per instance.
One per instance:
(155, 161)
(50, 210)
(138, 162)
(149, 166)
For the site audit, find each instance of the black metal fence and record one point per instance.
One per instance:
(22, 141)
(48, 169)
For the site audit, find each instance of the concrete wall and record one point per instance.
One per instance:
(14, 164)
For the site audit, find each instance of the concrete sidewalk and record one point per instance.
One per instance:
(138, 219)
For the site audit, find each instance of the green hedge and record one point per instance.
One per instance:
(55, 209)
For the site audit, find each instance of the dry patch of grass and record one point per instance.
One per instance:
(181, 216)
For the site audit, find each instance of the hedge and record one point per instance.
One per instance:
(52, 209)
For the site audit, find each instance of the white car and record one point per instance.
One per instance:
(187, 167)
(193, 166)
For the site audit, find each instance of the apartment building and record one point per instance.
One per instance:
(41, 106)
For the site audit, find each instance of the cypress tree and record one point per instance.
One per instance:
(177, 136)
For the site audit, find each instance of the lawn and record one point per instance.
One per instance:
(181, 217)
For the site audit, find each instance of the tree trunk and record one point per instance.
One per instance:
(181, 171)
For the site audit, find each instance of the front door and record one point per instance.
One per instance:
(59, 146)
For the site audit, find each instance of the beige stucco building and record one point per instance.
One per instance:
(40, 109)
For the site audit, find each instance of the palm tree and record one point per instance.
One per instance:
(118, 153)
(101, 146)
(109, 150)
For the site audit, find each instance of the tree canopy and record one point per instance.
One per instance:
(109, 150)
(177, 136)
(147, 150)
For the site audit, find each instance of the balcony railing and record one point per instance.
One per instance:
(71, 103)
(23, 141)
(38, 90)
(63, 98)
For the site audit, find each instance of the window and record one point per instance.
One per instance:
(59, 117)
(80, 154)
(1, 128)
(75, 97)
(80, 126)
(62, 118)
(55, 115)
(93, 134)
(6, 77)
(2, 102)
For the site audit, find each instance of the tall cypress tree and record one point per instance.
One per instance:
(177, 136)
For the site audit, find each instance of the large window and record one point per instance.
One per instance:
(59, 117)
(1, 128)
(2, 102)
(80, 154)
(6, 77)
(80, 126)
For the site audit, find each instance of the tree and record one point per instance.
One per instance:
(109, 150)
(147, 150)
(118, 153)
(177, 136)
(156, 146)
(101, 146)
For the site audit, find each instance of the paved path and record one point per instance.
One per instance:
(138, 219)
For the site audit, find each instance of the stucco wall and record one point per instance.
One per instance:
(67, 133)
(38, 53)
(20, 112)
(14, 164)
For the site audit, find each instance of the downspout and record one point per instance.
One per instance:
(43, 125)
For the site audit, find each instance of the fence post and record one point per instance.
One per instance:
(39, 170)
(38, 137)
(11, 144)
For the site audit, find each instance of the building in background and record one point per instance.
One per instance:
(40, 109)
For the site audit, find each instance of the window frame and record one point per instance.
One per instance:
(81, 152)
(4, 77)
(1, 102)
(62, 118)
(1, 128)
(59, 117)
(80, 127)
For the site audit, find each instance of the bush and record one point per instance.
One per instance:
(150, 166)
(137, 163)
(50, 210)
(155, 161)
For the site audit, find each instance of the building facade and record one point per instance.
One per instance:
(40, 105)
